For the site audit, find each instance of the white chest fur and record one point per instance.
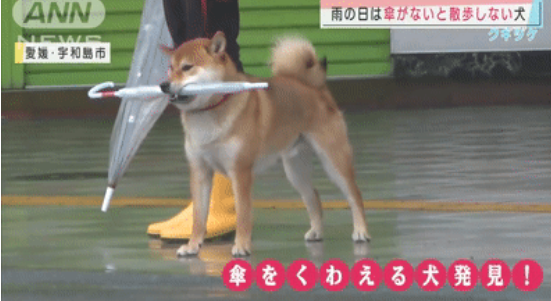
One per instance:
(204, 129)
(218, 156)
(222, 157)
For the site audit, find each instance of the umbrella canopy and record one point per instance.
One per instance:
(137, 116)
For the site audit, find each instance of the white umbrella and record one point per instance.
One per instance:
(148, 92)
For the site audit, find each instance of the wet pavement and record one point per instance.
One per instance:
(497, 154)
(79, 253)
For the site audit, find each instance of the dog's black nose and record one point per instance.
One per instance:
(165, 87)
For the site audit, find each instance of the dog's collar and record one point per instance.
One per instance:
(214, 105)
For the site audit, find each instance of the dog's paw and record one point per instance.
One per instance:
(313, 235)
(361, 236)
(240, 250)
(188, 250)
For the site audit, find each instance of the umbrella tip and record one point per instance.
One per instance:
(107, 199)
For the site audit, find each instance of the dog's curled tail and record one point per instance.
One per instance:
(295, 56)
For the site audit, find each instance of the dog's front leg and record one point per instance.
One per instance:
(242, 180)
(201, 186)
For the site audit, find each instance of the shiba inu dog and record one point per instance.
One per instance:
(240, 134)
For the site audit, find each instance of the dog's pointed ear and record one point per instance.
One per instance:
(167, 49)
(323, 63)
(218, 43)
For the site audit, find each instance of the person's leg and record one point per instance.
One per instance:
(224, 16)
(175, 20)
(185, 21)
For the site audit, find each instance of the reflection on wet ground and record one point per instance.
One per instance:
(499, 154)
(466, 154)
(68, 253)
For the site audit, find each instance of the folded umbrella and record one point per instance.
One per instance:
(190, 89)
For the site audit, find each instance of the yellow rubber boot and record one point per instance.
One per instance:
(221, 220)
(156, 228)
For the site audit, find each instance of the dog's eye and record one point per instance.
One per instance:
(186, 67)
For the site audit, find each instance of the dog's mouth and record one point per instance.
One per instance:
(165, 87)
(183, 99)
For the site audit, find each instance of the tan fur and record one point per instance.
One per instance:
(290, 57)
(250, 130)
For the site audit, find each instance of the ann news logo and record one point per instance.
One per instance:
(58, 14)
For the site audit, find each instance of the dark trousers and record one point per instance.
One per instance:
(190, 19)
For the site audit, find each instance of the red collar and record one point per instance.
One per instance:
(214, 105)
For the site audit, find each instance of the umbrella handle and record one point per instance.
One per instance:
(95, 91)
(142, 91)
